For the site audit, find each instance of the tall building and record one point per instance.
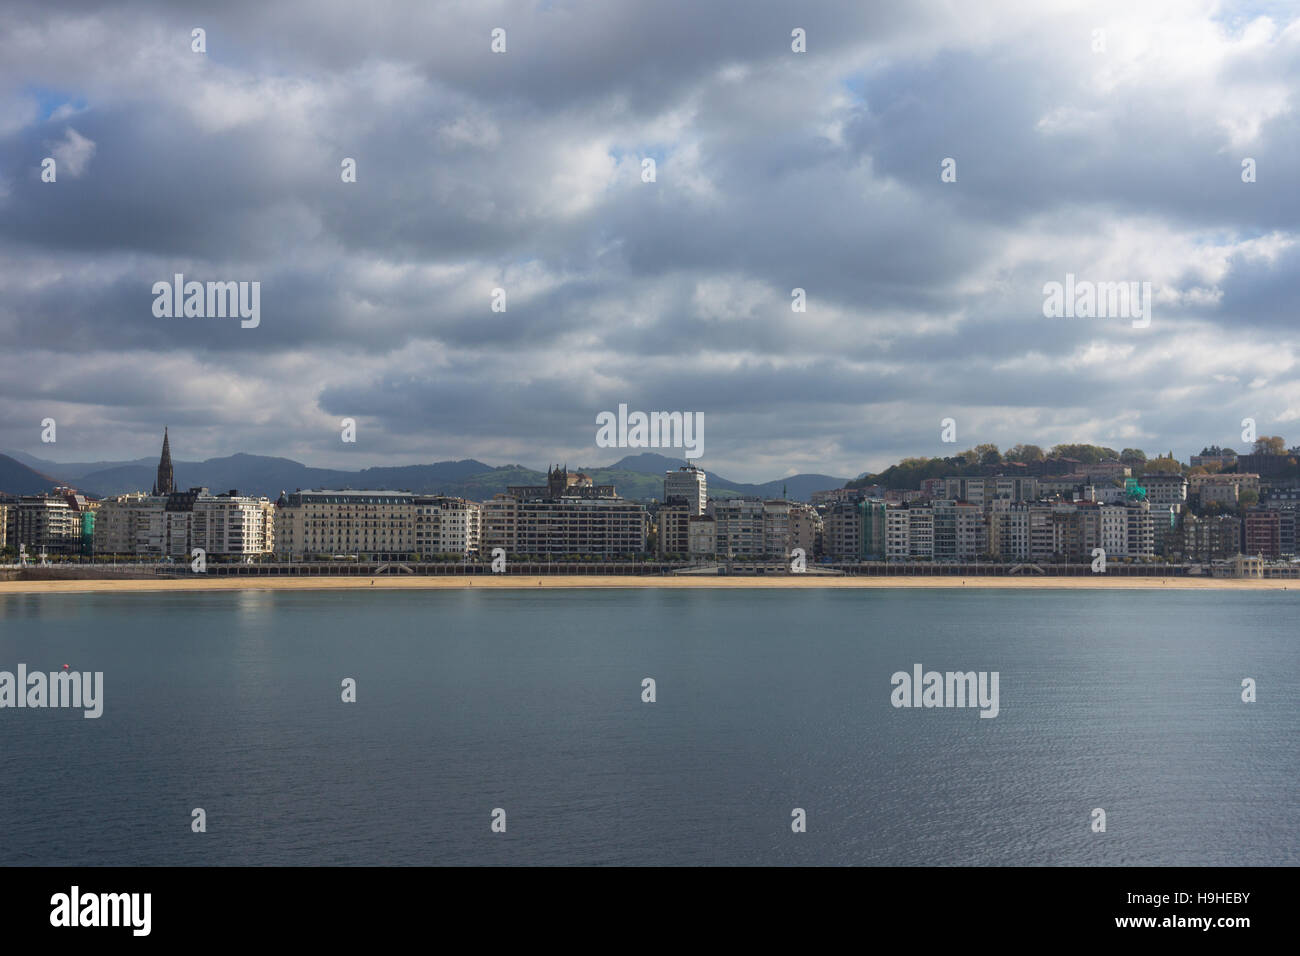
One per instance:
(165, 482)
(690, 483)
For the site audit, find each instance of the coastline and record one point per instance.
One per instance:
(597, 582)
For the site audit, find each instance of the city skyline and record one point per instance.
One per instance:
(965, 460)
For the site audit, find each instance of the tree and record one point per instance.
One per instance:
(1166, 466)
(1024, 453)
(1247, 497)
(988, 454)
(1270, 445)
(1088, 454)
(1132, 456)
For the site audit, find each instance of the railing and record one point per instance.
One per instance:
(520, 567)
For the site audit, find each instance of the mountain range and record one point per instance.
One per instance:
(637, 477)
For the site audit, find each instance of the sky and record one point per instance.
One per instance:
(1099, 139)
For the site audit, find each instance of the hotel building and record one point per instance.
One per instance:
(373, 525)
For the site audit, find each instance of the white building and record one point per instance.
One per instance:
(690, 483)
(233, 525)
(445, 525)
(144, 526)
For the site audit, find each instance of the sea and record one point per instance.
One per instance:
(655, 727)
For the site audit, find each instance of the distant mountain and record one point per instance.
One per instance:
(71, 471)
(263, 475)
(796, 487)
(19, 479)
(638, 477)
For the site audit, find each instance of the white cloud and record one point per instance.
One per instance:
(74, 153)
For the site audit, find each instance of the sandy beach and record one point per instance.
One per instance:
(406, 582)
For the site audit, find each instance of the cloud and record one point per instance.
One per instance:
(775, 170)
(74, 154)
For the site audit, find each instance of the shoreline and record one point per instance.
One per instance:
(598, 582)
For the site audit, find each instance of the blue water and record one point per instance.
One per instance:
(530, 701)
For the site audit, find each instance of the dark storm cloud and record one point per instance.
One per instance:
(775, 171)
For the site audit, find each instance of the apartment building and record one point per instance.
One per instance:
(44, 524)
(131, 525)
(984, 490)
(910, 534)
(959, 531)
(172, 525)
(607, 525)
(702, 537)
(1224, 489)
(836, 495)
(446, 525)
(1141, 532)
(231, 525)
(898, 527)
(971, 490)
(1114, 530)
(1211, 538)
(777, 538)
(1009, 530)
(739, 527)
(1215, 458)
(1165, 489)
(806, 528)
(1108, 469)
(842, 531)
(674, 520)
(1263, 533)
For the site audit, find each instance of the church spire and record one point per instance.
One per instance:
(165, 483)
